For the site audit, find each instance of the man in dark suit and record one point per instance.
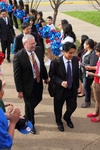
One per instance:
(6, 33)
(64, 73)
(28, 79)
(26, 29)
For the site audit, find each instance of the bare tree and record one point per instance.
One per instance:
(55, 5)
(35, 4)
(96, 4)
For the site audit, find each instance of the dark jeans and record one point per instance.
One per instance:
(71, 105)
(87, 82)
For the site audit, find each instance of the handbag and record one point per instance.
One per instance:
(51, 85)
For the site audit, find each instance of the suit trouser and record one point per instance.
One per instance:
(71, 105)
(96, 92)
(32, 101)
(6, 45)
(15, 21)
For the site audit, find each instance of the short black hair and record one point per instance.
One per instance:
(3, 10)
(33, 11)
(49, 17)
(32, 18)
(67, 46)
(0, 84)
(25, 25)
(97, 47)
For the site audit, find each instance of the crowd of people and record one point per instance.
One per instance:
(73, 76)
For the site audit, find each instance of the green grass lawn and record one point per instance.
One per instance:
(92, 17)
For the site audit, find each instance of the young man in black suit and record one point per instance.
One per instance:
(28, 79)
(64, 73)
(26, 29)
(6, 33)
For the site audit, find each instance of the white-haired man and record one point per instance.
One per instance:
(29, 70)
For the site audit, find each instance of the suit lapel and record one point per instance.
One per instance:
(73, 67)
(63, 70)
(26, 58)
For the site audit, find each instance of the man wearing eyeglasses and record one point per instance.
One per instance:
(29, 73)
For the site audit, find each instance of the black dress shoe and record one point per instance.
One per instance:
(61, 127)
(70, 124)
(8, 60)
(33, 131)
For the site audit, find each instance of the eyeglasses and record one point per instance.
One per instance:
(35, 44)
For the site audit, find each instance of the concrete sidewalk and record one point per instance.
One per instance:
(85, 135)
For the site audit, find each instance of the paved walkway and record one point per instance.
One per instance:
(85, 135)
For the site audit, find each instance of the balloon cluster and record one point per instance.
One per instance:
(53, 36)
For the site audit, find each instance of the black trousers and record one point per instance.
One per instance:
(32, 101)
(71, 105)
(15, 21)
(5, 44)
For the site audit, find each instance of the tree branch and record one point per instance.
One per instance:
(51, 4)
(61, 2)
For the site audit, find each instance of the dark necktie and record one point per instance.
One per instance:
(36, 68)
(69, 77)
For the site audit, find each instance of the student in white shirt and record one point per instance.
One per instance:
(48, 42)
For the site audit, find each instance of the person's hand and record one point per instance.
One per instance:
(15, 115)
(3, 83)
(88, 67)
(46, 81)
(20, 95)
(64, 84)
(10, 109)
(90, 73)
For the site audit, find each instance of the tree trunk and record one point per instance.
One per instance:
(31, 4)
(55, 16)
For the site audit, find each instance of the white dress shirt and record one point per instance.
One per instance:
(66, 64)
(6, 20)
(37, 60)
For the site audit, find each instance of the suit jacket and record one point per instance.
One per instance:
(89, 60)
(6, 31)
(18, 42)
(58, 74)
(23, 74)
